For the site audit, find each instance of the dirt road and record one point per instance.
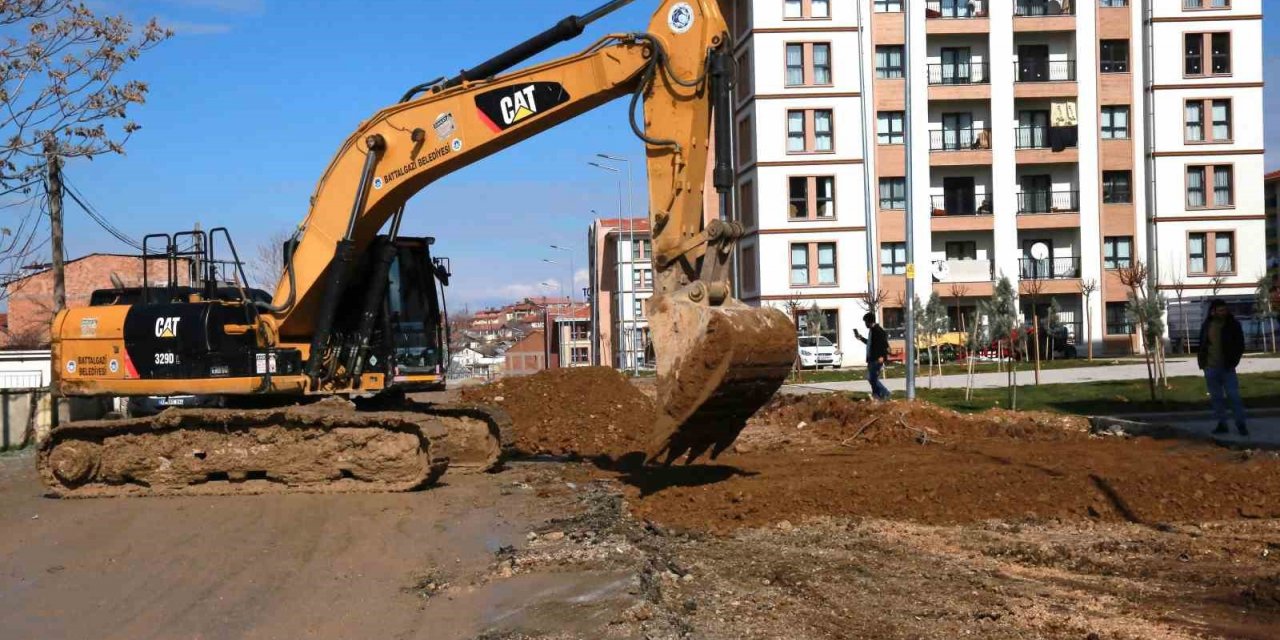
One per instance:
(324, 566)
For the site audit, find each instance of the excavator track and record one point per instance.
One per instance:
(324, 447)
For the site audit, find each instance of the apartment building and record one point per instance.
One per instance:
(621, 282)
(1030, 154)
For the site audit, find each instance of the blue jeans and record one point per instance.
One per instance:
(1223, 386)
(878, 390)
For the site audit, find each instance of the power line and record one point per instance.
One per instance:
(98, 217)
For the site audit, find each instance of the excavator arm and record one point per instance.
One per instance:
(718, 360)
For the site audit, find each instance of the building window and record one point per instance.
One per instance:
(1114, 3)
(642, 279)
(1206, 4)
(893, 258)
(1224, 253)
(1114, 56)
(1207, 54)
(749, 268)
(806, 9)
(747, 203)
(889, 127)
(1118, 319)
(746, 141)
(1219, 126)
(640, 249)
(1117, 187)
(801, 122)
(579, 355)
(1115, 122)
(1117, 252)
(805, 254)
(744, 77)
(961, 250)
(811, 197)
(1198, 180)
(579, 331)
(808, 64)
(888, 6)
(827, 321)
(742, 16)
(893, 193)
(889, 61)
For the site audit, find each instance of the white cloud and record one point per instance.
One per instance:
(581, 278)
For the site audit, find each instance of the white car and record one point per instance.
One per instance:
(818, 352)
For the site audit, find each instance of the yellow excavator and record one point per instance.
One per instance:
(329, 331)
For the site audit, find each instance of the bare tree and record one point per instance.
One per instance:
(1179, 287)
(874, 301)
(1215, 285)
(1035, 288)
(1264, 291)
(1147, 310)
(959, 291)
(63, 98)
(266, 264)
(1088, 287)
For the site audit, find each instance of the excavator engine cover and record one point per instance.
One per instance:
(716, 367)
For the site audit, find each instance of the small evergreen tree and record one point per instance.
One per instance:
(1002, 324)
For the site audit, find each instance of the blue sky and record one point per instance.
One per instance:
(252, 97)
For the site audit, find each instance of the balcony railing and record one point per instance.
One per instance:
(961, 204)
(967, 139)
(1049, 268)
(1048, 201)
(1038, 137)
(1038, 8)
(959, 73)
(952, 9)
(1045, 70)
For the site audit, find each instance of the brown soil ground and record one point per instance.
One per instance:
(581, 412)
(831, 456)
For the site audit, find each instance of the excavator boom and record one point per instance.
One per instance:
(718, 359)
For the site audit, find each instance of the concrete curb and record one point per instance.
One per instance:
(1158, 430)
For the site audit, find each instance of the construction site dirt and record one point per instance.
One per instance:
(829, 518)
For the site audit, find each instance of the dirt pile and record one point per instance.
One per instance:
(582, 411)
(822, 421)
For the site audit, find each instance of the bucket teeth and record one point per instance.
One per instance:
(716, 367)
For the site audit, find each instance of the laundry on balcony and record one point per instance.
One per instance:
(1062, 138)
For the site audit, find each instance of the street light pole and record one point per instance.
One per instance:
(572, 273)
(627, 343)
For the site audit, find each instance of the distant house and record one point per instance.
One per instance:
(527, 356)
(482, 361)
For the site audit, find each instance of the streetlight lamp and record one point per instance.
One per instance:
(632, 323)
(571, 271)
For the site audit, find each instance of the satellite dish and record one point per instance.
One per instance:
(941, 270)
(1039, 251)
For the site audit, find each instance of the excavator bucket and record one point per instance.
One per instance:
(716, 367)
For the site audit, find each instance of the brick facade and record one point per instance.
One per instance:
(31, 298)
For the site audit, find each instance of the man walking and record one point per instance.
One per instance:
(877, 352)
(1221, 346)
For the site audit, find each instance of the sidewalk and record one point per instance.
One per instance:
(1264, 427)
(1181, 366)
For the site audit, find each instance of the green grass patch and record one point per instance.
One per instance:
(898, 371)
(1188, 393)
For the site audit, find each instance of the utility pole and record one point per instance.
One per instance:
(909, 305)
(53, 188)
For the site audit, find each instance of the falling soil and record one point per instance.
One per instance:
(832, 456)
(583, 412)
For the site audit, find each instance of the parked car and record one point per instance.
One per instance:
(818, 352)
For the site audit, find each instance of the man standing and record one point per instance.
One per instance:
(1221, 346)
(877, 353)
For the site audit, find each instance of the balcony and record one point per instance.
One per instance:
(961, 204)
(959, 73)
(1035, 70)
(958, 147)
(1043, 8)
(1046, 202)
(1049, 268)
(1040, 144)
(955, 16)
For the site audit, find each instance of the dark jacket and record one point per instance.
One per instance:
(877, 345)
(1232, 338)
